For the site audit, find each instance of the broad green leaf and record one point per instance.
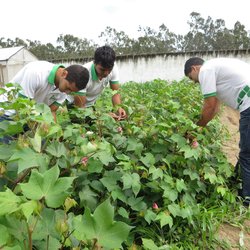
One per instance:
(132, 181)
(47, 186)
(46, 225)
(148, 160)
(4, 238)
(88, 198)
(135, 146)
(174, 209)
(210, 174)
(26, 158)
(191, 173)
(137, 203)
(180, 140)
(36, 142)
(156, 172)
(57, 149)
(28, 208)
(9, 202)
(165, 219)
(105, 157)
(148, 244)
(170, 193)
(180, 185)
(117, 193)
(94, 166)
(123, 212)
(149, 216)
(110, 234)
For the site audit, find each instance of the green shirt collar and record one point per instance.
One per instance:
(93, 72)
(52, 74)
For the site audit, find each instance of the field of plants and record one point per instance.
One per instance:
(134, 184)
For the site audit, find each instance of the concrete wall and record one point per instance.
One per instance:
(166, 66)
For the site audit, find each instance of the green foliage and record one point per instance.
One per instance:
(116, 184)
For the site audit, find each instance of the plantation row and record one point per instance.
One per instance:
(133, 184)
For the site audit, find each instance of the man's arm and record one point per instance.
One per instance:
(53, 109)
(210, 109)
(116, 100)
(80, 101)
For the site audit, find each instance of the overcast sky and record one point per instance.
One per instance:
(45, 20)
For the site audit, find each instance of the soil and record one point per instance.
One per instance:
(237, 237)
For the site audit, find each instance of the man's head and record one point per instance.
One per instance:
(73, 78)
(192, 68)
(104, 60)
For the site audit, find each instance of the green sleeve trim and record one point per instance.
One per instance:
(22, 96)
(211, 94)
(114, 82)
(57, 104)
(78, 93)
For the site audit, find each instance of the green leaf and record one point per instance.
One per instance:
(180, 140)
(88, 198)
(132, 181)
(36, 142)
(165, 219)
(135, 146)
(148, 244)
(46, 225)
(94, 166)
(47, 186)
(156, 172)
(26, 158)
(9, 202)
(28, 208)
(101, 226)
(56, 149)
(4, 235)
(210, 174)
(149, 216)
(180, 185)
(148, 160)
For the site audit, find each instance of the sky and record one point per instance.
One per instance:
(46, 20)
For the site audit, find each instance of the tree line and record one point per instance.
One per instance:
(204, 34)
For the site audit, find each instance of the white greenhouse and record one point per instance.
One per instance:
(12, 60)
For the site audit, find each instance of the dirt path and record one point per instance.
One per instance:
(236, 237)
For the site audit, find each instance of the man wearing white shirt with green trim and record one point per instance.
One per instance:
(103, 72)
(48, 83)
(226, 80)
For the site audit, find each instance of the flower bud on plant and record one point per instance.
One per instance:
(155, 206)
(69, 203)
(84, 160)
(38, 208)
(62, 226)
(195, 144)
(119, 130)
(2, 168)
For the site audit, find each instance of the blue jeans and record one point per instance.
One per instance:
(244, 155)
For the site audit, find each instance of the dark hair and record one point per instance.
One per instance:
(78, 74)
(191, 62)
(105, 56)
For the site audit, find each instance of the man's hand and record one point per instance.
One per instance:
(119, 115)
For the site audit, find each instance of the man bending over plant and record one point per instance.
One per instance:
(103, 71)
(48, 83)
(226, 80)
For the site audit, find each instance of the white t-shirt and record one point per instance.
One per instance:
(95, 86)
(37, 82)
(225, 78)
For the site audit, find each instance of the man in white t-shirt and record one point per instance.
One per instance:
(48, 83)
(226, 80)
(103, 72)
